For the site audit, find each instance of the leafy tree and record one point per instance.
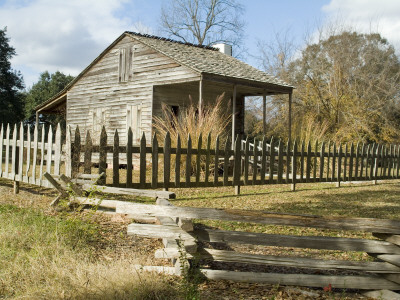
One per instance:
(11, 84)
(346, 85)
(47, 86)
(204, 22)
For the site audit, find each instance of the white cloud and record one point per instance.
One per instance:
(369, 16)
(62, 35)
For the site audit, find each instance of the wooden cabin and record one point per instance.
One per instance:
(128, 82)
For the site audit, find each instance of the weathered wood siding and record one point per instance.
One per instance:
(100, 89)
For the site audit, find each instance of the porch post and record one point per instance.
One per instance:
(37, 119)
(233, 114)
(264, 113)
(290, 118)
(200, 96)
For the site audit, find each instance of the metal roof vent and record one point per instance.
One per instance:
(224, 48)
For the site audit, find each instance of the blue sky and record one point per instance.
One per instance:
(67, 35)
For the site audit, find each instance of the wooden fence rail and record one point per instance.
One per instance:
(187, 163)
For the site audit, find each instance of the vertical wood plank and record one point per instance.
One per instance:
(389, 170)
(87, 159)
(384, 161)
(294, 166)
(207, 170)
(178, 162)
(362, 157)
(167, 161)
(367, 163)
(397, 161)
(129, 165)
(237, 164)
(321, 162)
(345, 163)
(216, 161)
(21, 153)
(308, 166)
(302, 161)
(334, 155)
(1, 149)
(373, 154)
(76, 153)
(246, 162)
(280, 161)
(357, 161)
(7, 142)
(271, 160)
(328, 162)
(263, 160)
(57, 150)
(188, 169)
(49, 149)
(351, 162)
(376, 163)
(14, 153)
(28, 153)
(288, 160)
(68, 152)
(198, 156)
(255, 162)
(142, 163)
(154, 163)
(315, 161)
(339, 165)
(226, 162)
(103, 155)
(116, 159)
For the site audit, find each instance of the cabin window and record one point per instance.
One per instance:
(124, 67)
(134, 120)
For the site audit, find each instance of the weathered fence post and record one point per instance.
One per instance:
(216, 161)
(57, 150)
(129, 165)
(294, 166)
(271, 160)
(1, 149)
(198, 156)
(68, 153)
(207, 169)
(339, 166)
(87, 159)
(178, 162)
(103, 155)
(246, 162)
(237, 163)
(142, 163)
(154, 163)
(76, 153)
(167, 161)
(116, 159)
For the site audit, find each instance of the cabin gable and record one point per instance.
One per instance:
(117, 91)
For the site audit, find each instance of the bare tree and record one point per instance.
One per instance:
(204, 22)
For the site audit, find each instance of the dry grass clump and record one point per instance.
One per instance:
(213, 120)
(47, 257)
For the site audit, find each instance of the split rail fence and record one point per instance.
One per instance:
(25, 158)
(185, 242)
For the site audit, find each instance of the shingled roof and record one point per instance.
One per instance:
(204, 59)
(199, 58)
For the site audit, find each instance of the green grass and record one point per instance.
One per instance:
(52, 257)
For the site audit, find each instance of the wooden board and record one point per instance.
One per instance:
(354, 282)
(297, 262)
(262, 217)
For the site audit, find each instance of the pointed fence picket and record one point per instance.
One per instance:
(26, 153)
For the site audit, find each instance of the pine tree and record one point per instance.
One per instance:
(11, 84)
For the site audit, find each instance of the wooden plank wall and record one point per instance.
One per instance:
(99, 88)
